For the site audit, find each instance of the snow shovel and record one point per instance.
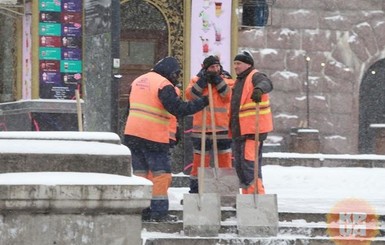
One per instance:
(223, 181)
(257, 215)
(202, 211)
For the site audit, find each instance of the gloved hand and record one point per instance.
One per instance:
(202, 81)
(214, 79)
(257, 95)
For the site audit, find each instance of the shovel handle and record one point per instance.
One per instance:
(203, 137)
(203, 153)
(214, 133)
(256, 148)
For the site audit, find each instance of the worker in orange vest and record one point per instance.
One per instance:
(251, 87)
(152, 100)
(221, 82)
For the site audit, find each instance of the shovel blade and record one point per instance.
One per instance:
(223, 181)
(201, 214)
(257, 215)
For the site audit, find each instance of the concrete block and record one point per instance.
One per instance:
(97, 209)
(35, 155)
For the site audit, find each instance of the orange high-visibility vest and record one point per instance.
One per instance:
(247, 110)
(148, 119)
(221, 108)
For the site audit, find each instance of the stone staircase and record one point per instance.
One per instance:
(294, 228)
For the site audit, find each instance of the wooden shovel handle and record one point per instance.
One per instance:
(203, 153)
(256, 147)
(203, 138)
(214, 133)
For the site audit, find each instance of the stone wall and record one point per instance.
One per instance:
(342, 39)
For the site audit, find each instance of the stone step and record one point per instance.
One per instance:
(299, 228)
(230, 213)
(298, 225)
(324, 160)
(157, 239)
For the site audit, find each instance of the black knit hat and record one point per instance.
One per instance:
(245, 57)
(211, 60)
(168, 67)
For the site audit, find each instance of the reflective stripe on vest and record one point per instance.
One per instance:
(247, 110)
(221, 104)
(149, 113)
(147, 118)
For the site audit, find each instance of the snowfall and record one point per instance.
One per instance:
(299, 189)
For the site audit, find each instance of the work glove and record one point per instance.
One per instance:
(214, 79)
(256, 96)
(202, 81)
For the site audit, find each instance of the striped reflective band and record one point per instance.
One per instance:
(149, 113)
(249, 109)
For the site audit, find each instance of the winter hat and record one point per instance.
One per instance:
(211, 60)
(166, 67)
(245, 57)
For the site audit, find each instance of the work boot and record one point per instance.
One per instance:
(146, 214)
(193, 186)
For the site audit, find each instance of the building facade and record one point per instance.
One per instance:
(326, 59)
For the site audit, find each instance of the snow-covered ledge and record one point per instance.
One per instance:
(99, 152)
(72, 208)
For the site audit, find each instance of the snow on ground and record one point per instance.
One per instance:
(315, 190)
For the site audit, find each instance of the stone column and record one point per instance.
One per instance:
(102, 35)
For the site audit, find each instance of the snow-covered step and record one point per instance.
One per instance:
(231, 239)
(64, 152)
(298, 228)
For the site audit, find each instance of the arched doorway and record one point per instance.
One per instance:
(372, 105)
(143, 41)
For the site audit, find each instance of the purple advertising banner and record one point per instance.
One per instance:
(72, 29)
(71, 54)
(50, 77)
(72, 6)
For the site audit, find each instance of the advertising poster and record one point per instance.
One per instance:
(60, 48)
(210, 32)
